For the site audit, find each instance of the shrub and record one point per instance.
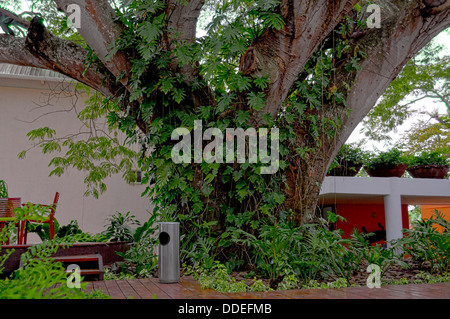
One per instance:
(141, 260)
(389, 158)
(349, 158)
(426, 244)
(428, 158)
(218, 278)
(120, 227)
(330, 255)
(272, 250)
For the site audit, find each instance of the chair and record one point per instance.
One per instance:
(50, 219)
(7, 206)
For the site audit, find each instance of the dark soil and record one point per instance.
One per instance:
(392, 274)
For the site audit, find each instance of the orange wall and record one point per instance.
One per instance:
(428, 211)
(367, 216)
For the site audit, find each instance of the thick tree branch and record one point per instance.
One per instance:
(283, 54)
(100, 29)
(43, 50)
(23, 23)
(182, 17)
(403, 34)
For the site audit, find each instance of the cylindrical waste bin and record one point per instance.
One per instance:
(169, 252)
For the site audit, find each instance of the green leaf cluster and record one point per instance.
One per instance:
(428, 158)
(391, 157)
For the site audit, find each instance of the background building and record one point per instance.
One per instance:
(33, 98)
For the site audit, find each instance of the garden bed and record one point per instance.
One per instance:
(395, 274)
(108, 251)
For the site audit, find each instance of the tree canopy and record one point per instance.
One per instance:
(311, 69)
(423, 81)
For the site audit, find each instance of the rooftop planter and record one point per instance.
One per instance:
(428, 165)
(348, 161)
(392, 163)
(6, 207)
(3, 189)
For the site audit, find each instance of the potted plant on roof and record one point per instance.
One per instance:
(5, 210)
(392, 163)
(348, 161)
(3, 189)
(3, 198)
(7, 204)
(428, 165)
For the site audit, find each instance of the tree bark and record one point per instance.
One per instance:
(100, 29)
(283, 54)
(403, 34)
(406, 28)
(42, 50)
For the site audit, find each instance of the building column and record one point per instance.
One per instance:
(393, 216)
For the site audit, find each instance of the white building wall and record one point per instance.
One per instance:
(29, 178)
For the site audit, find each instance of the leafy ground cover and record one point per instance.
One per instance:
(311, 256)
(280, 257)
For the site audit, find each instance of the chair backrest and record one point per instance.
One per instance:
(55, 203)
(7, 206)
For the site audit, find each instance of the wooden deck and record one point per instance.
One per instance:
(189, 288)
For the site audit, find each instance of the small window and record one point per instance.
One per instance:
(138, 177)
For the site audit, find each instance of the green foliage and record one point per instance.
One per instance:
(428, 158)
(141, 259)
(119, 227)
(202, 253)
(72, 228)
(349, 156)
(391, 157)
(96, 151)
(273, 249)
(3, 189)
(352, 153)
(191, 194)
(218, 278)
(384, 258)
(426, 244)
(314, 284)
(224, 210)
(289, 282)
(40, 277)
(329, 255)
(283, 253)
(42, 230)
(428, 136)
(426, 76)
(32, 211)
(425, 277)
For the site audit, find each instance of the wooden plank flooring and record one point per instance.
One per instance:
(189, 288)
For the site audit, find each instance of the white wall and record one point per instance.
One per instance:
(29, 178)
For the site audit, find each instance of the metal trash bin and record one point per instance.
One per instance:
(169, 252)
